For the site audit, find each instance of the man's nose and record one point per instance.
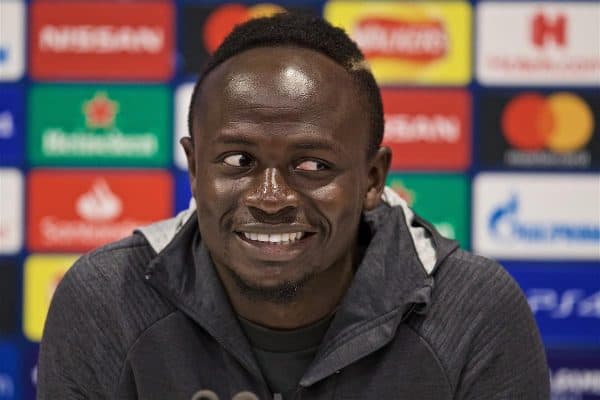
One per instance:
(271, 194)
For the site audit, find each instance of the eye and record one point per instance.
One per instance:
(238, 160)
(311, 165)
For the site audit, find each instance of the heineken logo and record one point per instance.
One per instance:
(100, 111)
(91, 125)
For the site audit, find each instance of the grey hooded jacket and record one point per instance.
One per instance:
(147, 318)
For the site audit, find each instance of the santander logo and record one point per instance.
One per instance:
(417, 41)
(99, 203)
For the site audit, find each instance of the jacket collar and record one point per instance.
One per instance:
(394, 278)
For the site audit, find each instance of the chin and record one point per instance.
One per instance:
(279, 290)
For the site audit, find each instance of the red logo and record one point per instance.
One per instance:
(545, 29)
(422, 41)
(427, 129)
(224, 18)
(92, 208)
(101, 40)
(561, 122)
(100, 111)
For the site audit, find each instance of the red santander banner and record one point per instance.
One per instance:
(101, 40)
(76, 211)
(428, 129)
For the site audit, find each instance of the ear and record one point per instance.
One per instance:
(379, 165)
(188, 146)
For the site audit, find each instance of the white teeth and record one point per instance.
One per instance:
(274, 237)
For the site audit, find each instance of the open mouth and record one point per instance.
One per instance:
(275, 238)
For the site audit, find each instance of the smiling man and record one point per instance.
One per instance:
(297, 274)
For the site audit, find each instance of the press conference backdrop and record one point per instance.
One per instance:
(492, 113)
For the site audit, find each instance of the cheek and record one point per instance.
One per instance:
(340, 202)
(215, 197)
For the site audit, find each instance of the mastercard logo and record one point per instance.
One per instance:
(223, 19)
(561, 122)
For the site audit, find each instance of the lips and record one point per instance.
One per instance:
(279, 238)
(274, 243)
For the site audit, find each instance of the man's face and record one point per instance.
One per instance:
(279, 166)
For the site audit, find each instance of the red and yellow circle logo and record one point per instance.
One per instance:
(223, 19)
(561, 122)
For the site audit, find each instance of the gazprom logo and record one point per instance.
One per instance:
(505, 223)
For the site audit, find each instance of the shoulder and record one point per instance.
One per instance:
(477, 310)
(476, 291)
(101, 306)
(464, 272)
(109, 283)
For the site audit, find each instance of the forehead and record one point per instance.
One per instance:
(280, 85)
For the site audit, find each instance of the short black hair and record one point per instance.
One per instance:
(308, 31)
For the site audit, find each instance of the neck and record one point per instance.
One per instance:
(316, 299)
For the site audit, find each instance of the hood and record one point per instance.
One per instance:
(395, 278)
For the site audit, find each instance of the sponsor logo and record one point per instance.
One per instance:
(11, 211)
(214, 23)
(99, 203)
(427, 129)
(11, 125)
(564, 298)
(574, 374)
(544, 30)
(550, 43)
(221, 21)
(42, 274)
(419, 41)
(98, 125)
(100, 111)
(509, 222)
(101, 40)
(426, 42)
(183, 97)
(422, 193)
(565, 304)
(12, 40)
(93, 208)
(8, 305)
(506, 223)
(536, 130)
(575, 383)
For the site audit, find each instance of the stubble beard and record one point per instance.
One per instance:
(283, 293)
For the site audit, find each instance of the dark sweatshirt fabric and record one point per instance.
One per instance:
(284, 355)
(129, 323)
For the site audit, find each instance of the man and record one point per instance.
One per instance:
(297, 275)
